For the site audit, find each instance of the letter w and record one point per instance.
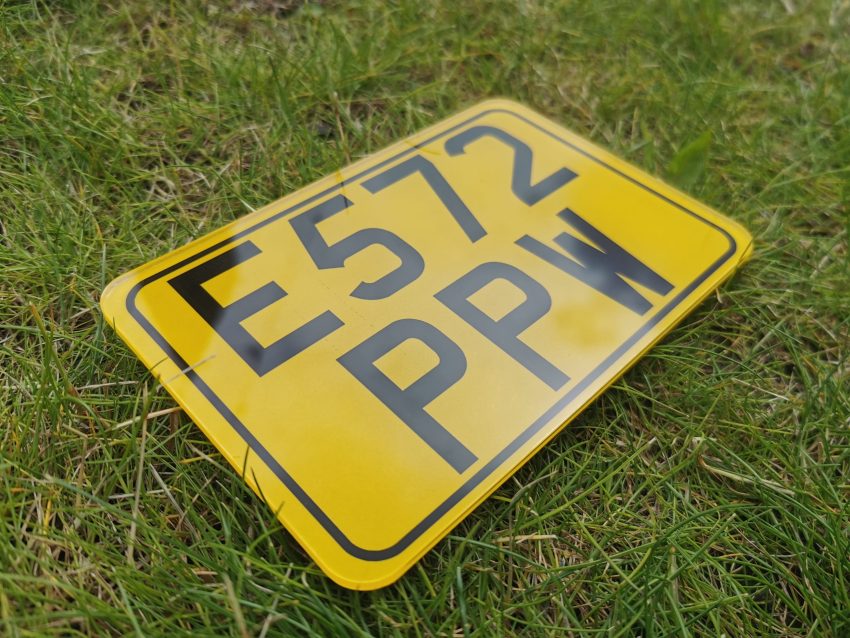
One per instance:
(602, 269)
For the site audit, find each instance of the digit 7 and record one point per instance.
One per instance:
(449, 198)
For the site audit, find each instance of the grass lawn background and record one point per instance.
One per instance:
(706, 493)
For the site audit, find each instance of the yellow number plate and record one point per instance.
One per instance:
(377, 352)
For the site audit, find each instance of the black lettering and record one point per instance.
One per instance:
(505, 331)
(521, 179)
(326, 255)
(409, 403)
(226, 320)
(450, 199)
(603, 269)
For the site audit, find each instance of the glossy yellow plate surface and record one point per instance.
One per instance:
(378, 351)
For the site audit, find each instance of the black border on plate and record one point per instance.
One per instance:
(485, 471)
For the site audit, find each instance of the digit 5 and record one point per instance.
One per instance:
(327, 255)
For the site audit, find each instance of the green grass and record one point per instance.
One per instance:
(706, 494)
